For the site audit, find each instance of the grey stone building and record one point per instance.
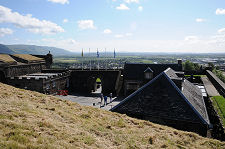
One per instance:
(169, 100)
(136, 75)
(29, 72)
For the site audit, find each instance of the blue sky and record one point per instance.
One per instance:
(127, 25)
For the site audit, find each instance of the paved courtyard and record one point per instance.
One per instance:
(210, 89)
(91, 100)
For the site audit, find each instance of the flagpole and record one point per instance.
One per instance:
(90, 58)
(114, 56)
(97, 58)
(82, 54)
(105, 57)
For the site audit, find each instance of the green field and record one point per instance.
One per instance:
(195, 75)
(65, 60)
(219, 104)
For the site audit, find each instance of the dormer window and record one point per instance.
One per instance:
(148, 74)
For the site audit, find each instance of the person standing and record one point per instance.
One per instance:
(110, 96)
(101, 96)
(105, 100)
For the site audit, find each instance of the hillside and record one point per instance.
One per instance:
(38, 50)
(5, 50)
(33, 120)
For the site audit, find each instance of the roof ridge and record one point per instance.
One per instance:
(182, 95)
(175, 87)
(134, 93)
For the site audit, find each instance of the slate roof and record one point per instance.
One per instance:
(170, 73)
(192, 93)
(134, 71)
(188, 101)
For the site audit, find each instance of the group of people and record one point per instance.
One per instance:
(104, 99)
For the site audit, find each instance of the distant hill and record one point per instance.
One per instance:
(5, 50)
(38, 50)
(33, 120)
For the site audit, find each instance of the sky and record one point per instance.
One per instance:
(195, 26)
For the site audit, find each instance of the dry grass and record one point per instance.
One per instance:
(33, 120)
(29, 57)
(6, 58)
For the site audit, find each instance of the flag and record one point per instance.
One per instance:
(82, 54)
(97, 54)
(114, 53)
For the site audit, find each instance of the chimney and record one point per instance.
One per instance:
(178, 82)
(180, 74)
(179, 61)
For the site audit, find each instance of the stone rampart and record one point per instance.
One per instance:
(219, 85)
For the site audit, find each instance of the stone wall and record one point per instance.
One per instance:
(181, 125)
(84, 80)
(48, 59)
(217, 130)
(54, 85)
(47, 86)
(2, 77)
(219, 85)
(30, 84)
(18, 70)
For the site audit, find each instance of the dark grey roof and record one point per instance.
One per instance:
(134, 71)
(189, 101)
(170, 73)
(194, 96)
(192, 93)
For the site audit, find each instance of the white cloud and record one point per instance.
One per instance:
(191, 39)
(221, 31)
(65, 20)
(199, 20)
(86, 24)
(140, 8)
(128, 34)
(119, 36)
(220, 11)
(68, 41)
(218, 39)
(28, 22)
(67, 44)
(5, 31)
(107, 31)
(122, 7)
(133, 26)
(123, 35)
(59, 1)
(131, 1)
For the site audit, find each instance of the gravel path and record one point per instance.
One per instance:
(210, 89)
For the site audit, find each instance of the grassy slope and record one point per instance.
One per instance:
(219, 104)
(33, 120)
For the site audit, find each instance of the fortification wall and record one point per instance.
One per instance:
(48, 59)
(18, 70)
(219, 85)
(84, 80)
(217, 130)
